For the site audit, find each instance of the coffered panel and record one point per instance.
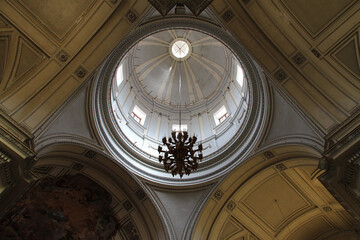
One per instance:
(312, 15)
(4, 45)
(282, 201)
(27, 58)
(20, 58)
(278, 200)
(347, 55)
(230, 229)
(57, 17)
(311, 229)
(74, 45)
(284, 37)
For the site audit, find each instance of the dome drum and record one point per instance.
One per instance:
(139, 90)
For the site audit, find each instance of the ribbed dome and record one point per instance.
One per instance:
(202, 69)
(221, 94)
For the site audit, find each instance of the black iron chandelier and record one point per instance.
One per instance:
(180, 156)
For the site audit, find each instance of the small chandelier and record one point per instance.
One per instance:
(180, 155)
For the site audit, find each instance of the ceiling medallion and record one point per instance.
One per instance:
(180, 155)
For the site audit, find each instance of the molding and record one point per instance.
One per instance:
(16, 159)
(341, 158)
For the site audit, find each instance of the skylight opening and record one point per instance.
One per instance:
(138, 115)
(239, 75)
(180, 49)
(119, 75)
(220, 115)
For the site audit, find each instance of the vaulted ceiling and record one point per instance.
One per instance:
(308, 49)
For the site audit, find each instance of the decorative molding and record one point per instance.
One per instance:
(140, 194)
(81, 72)
(20, 146)
(316, 53)
(6, 177)
(281, 167)
(334, 149)
(231, 205)
(77, 166)
(16, 160)
(164, 7)
(228, 15)
(131, 16)
(90, 154)
(43, 170)
(62, 56)
(127, 205)
(342, 161)
(131, 231)
(299, 59)
(280, 75)
(269, 154)
(218, 194)
(327, 209)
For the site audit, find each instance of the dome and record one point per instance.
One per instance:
(202, 63)
(179, 77)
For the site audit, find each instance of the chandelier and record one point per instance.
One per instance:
(179, 155)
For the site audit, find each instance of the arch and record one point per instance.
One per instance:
(272, 195)
(135, 211)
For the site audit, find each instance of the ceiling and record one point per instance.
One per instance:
(208, 65)
(309, 51)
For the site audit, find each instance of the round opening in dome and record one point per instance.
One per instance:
(180, 49)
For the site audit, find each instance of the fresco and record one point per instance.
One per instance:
(70, 207)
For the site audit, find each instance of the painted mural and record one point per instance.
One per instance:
(70, 207)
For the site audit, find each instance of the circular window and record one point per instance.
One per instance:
(180, 49)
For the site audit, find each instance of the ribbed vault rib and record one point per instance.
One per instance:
(169, 86)
(166, 80)
(147, 71)
(151, 43)
(193, 78)
(212, 63)
(201, 40)
(143, 65)
(206, 66)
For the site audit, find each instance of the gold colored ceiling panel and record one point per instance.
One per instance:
(230, 229)
(58, 16)
(4, 43)
(311, 229)
(348, 55)
(281, 201)
(27, 59)
(312, 14)
(275, 199)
